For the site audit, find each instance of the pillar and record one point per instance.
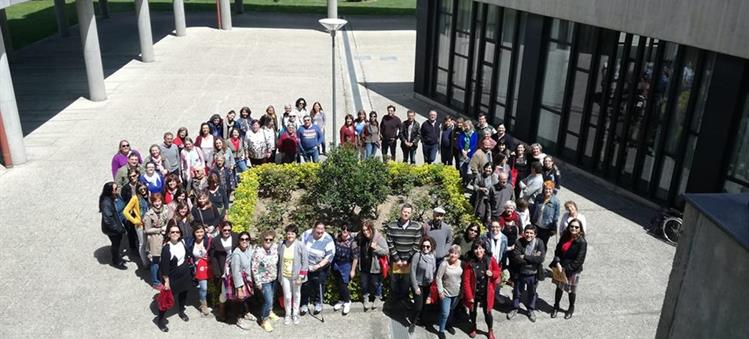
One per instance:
(8, 45)
(144, 30)
(9, 109)
(91, 52)
(104, 8)
(225, 14)
(333, 9)
(180, 26)
(239, 6)
(62, 19)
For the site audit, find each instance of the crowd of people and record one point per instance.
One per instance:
(171, 207)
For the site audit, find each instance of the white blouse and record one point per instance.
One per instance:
(178, 251)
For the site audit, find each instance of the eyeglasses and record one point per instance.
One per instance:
(426, 247)
(244, 239)
(175, 232)
(268, 239)
(226, 230)
(125, 145)
(474, 231)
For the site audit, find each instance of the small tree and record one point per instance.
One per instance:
(348, 189)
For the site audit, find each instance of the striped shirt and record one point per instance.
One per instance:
(318, 249)
(403, 239)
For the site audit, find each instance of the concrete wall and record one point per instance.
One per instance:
(717, 25)
(706, 295)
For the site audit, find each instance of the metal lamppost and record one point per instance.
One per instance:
(332, 25)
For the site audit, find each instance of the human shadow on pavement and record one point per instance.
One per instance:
(102, 255)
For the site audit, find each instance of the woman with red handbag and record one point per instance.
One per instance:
(198, 245)
(423, 266)
(175, 271)
(240, 281)
(372, 263)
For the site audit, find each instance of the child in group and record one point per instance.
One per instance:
(525, 215)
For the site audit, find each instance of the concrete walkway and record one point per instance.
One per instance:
(55, 277)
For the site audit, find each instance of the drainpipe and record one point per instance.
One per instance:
(4, 148)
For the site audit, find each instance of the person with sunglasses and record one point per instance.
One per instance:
(155, 221)
(343, 264)
(570, 256)
(265, 274)
(480, 275)
(423, 267)
(175, 272)
(120, 158)
(136, 208)
(292, 268)
(466, 240)
(241, 275)
(121, 176)
(221, 247)
(310, 137)
(198, 245)
(448, 279)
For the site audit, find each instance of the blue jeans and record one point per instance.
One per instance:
(370, 150)
(430, 152)
(399, 286)
(155, 270)
(522, 283)
(268, 293)
(241, 165)
(202, 289)
(447, 306)
(369, 282)
(311, 155)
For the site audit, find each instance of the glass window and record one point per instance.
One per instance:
(446, 6)
(441, 85)
(555, 77)
(738, 168)
(464, 15)
(460, 69)
(443, 40)
(519, 68)
(491, 23)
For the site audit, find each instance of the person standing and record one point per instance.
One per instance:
(403, 236)
(170, 152)
(198, 245)
(526, 260)
(348, 134)
(320, 252)
(133, 164)
(318, 119)
(265, 274)
(502, 137)
(430, 137)
(550, 172)
(344, 264)
(466, 239)
(390, 128)
(423, 267)
(174, 270)
(446, 141)
(292, 268)
(448, 280)
(122, 158)
(570, 256)
(310, 137)
(467, 143)
(441, 232)
(204, 141)
(372, 136)
(155, 226)
(230, 123)
(545, 213)
(257, 145)
(456, 151)
(111, 224)
(532, 186)
(496, 245)
(288, 144)
(221, 248)
(241, 276)
(571, 213)
(372, 248)
(481, 157)
(480, 276)
(409, 136)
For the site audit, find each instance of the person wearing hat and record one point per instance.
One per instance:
(441, 232)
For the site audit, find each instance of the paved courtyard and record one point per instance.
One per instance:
(54, 273)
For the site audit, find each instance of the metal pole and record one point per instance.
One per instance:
(335, 131)
(333, 9)
(225, 14)
(144, 30)
(180, 27)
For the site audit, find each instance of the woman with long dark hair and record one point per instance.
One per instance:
(570, 256)
(348, 131)
(241, 275)
(318, 119)
(198, 245)
(134, 212)
(204, 141)
(344, 262)
(207, 214)
(179, 140)
(175, 272)
(423, 267)
(221, 248)
(372, 136)
(480, 275)
(111, 225)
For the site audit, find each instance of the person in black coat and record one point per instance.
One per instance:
(111, 225)
(526, 261)
(221, 247)
(175, 271)
(570, 255)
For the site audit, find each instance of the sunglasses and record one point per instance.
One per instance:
(426, 246)
(574, 226)
(268, 239)
(226, 230)
(125, 145)
(175, 232)
(244, 239)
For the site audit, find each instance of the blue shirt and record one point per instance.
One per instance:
(309, 137)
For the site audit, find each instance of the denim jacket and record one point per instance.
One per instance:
(550, 215)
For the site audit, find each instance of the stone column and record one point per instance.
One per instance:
(144, 30)
(9, 109)
(104, 8)
(180, 26)
(5, 32)
(239, 6)
(225, 14)
(91, 52)
(62, 19)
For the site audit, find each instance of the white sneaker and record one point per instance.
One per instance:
(303, 310)
(287, 320)
(249, 316)
(346, 308)
(296, 319)
(243, 324)
(337, 306)
(367, 304)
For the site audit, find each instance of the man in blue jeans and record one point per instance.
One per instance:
(430, 137)
(320, 250)
(403, 236)
(310, 136)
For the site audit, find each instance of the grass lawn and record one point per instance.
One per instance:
(35, 20)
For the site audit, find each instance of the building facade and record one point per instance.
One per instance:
(657, 117)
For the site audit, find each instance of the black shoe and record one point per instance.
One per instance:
(119, 266)
(411, 328)
(554, 312)
(532, 316)
(512, 314)
(162, 325)
(184, 316)
(569, 314)
(441, 335)
(450, 330)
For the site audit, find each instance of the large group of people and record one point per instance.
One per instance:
(171, 207)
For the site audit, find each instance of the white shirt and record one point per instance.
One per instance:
(227, 244)
(198, 250)
(566, 218)
(178, 251)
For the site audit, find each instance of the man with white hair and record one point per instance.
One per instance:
(503, 192)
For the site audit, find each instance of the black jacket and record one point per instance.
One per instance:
(413, 127)
(572, 260)
(528, 265)
(430, 135)
(110, 221)
(218, 254)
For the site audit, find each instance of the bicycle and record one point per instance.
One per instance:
(668, 224)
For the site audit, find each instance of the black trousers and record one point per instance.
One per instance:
(487, 314)
(114, 250)
(132, 237)
(389, 145)
(181, 302)
(419, 302)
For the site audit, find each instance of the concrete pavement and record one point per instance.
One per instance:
(55, 278)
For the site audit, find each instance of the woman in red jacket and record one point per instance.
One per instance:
(480, 276)
(348, 131)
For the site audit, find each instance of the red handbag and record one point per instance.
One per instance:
(384, 266)
(165, 300)
(201, 270)
(434, 294)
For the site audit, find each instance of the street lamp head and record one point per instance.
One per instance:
(332, 24)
